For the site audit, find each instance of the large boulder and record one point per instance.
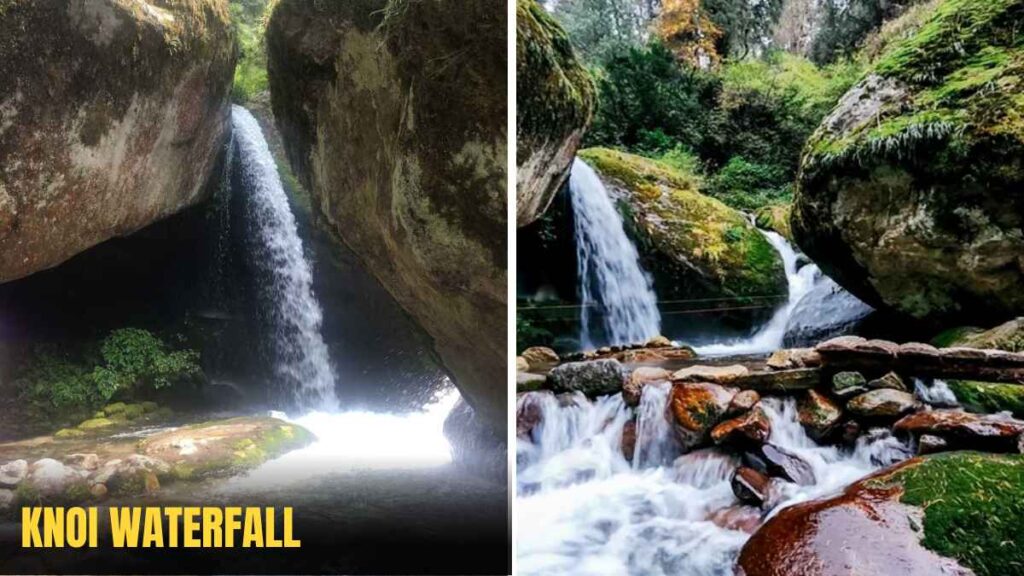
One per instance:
(112, 116)
(394, 117)
(908, 192)
(693, 244)
(591, 378)
(554, 102)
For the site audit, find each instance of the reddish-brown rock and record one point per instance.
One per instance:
(633, 388)
(818, 415)
(750, 429)
(628, 443)
(743, 401)
(982, 431)
(695, 408)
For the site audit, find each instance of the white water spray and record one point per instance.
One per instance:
(612, 283)
(582, 509)
(302, 362)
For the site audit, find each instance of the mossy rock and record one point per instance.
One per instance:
(114, 408)
(693, 244)
(68, 433)
(775, 217)
(133, 411)
(973, 507)
(1008, 336)
(555, 98)
(96, 423)
(908, 191)
(989, 398)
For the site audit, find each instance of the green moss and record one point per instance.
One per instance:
(555, 94)
(94, 423)
(974, 508)
(775, 217)
(133, 411)
(952, 336)
(115, 408)
(671, 217)
(68, 433)
(989, 398)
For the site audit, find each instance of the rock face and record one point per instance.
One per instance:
(121, 127)
(593, 378)
(907, 191)
(693, 244)
(554, 101)
(395, 121)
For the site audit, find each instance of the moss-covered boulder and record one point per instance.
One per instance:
(112, 116)
(908, 193)
(775, 217)
(985, 397)
(937, 514)
(394, 116)
(693, 244)
(554, 103)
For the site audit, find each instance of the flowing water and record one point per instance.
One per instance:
(617, 296)
(301, 360)
(584, 509)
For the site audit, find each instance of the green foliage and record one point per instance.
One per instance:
(529, 334)
(249, 18)
(600, 29)
(847, 23)
(744, 24)
(128, 361)
(748, 186)
(974, 508)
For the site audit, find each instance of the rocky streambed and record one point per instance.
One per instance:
(854, 454)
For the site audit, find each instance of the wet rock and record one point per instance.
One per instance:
(475, 446)
(929, 444)
(52, 479)
(521, 364)
(741, 402)
(540, 357)
(554, 101)
(850, 432)
(593, 378)
(121, 126)
(530, 382)
(818, 415)
(750, 429)
(98, 491)
(83, 461)
(778, 462)
(95, 423)
(695, 408)
(402, 147)
(848, 384)
(978, 431)
(891, 380)
(882, 403)
(794, 358)
(628, 443)
(633, 389)
(753, 487)
(716, 374)
(658, 342)
(779, 381)
(529, 413)
(12, 473)
(741, 518)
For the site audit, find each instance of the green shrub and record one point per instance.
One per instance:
(528, 334)
(748, 186)
(249, 18)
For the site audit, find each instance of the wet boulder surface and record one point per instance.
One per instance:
(393, 115)
(112, 116)
(907, 192)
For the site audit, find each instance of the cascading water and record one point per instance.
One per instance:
(302, 362)
(583, 509)
(612, 283)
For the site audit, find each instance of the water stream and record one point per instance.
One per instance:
(301, 360)
(584, 509)
(616, 295)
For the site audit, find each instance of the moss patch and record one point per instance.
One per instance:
(989, 398)
(704, 238)
(974, 507)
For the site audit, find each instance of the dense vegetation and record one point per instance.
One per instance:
(249, 18)
(128, 363)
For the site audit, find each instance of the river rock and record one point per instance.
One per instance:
(395, 121)
(555, 98)
(987, 432)
(882, 403)
(6, 499)
(947, 244)
(12, 473)
(692, 244)
(742, 401)
(930, 444)
(52, 479)
(86, 462)
(890, 380)
(848, 384)
(633, 389)
(529, 382)
(628, 443)
(540, 357)
(593, 378)
(529, 412)
(752, 487)
(740, 518)
(659, 342)
(716, 374)
(112, 117)
(695, 408)
(521, 364)
(778, 462)
(784, 359)
(750, 429)
(818, 415)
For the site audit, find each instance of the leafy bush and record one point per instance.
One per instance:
(748, 186)
(528, 334)
(128, 362)
(249, 18)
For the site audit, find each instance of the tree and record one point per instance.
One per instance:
(685, 28)
(600, 28)
(846, 23)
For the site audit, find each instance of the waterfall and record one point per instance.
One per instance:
(301, 359)
(815, 306)
(583, 509)
(612, 283)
